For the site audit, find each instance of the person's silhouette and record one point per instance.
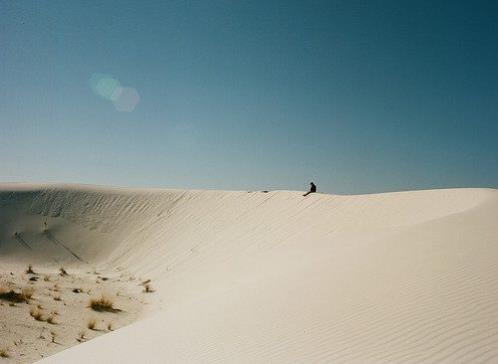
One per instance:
(312, 189)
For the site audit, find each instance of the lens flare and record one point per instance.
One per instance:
(105, 86)
(127, 99)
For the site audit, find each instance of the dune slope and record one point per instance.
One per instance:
(274, 277)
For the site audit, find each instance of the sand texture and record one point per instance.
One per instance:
(250, 277)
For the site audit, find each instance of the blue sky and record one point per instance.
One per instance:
(359, 96)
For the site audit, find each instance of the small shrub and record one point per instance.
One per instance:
(57, 298)
(30, 270)
(46, 278)
(4, 353)
(109, 326)
(102, 304)
(12, 296)
(53, 334)
(63, 272)
(77, 290)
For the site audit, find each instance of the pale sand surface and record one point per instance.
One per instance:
(256, 277)
(61, 304)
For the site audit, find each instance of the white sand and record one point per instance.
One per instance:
(274, 277)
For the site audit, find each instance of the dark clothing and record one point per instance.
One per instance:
(312, 189)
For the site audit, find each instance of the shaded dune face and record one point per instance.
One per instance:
(277, 277)
(35, 220)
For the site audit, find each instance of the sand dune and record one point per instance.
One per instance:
(406, 277)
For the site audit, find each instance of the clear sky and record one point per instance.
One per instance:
(358, 96)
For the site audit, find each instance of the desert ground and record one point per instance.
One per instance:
(44, 311)
(92, 274)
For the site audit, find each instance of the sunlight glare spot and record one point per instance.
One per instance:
(127, 99)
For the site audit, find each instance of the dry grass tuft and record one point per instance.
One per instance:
(63, 272)
(36, 314)
(51, 320)
(91, 323)
(46, 278)
(30, 270)
(27, 293)
(12, 296)
(4, 353)
(102, 304)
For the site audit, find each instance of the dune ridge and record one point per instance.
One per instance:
(275, 277)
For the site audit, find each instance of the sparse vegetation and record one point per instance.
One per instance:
(27, 293)
(36, 314)
(40, 289)
(91, 323)
(145, 282)
(51, 320)
(41, 334)
(12, 296)
(102, 304)
(4, 353)
(63, 272)
(148, 288)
